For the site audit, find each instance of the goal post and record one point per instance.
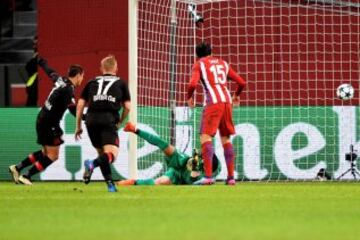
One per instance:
(133, 63)
(293, 55)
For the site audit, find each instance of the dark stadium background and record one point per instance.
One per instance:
(84, 31)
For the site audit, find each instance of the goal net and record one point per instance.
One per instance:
(293, 55)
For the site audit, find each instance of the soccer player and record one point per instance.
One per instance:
(182, 169)
(105, 96)
(217, 113)
(49, 133)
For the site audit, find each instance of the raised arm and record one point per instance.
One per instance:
(49, 71)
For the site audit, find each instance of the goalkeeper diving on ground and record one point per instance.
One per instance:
(182, 169)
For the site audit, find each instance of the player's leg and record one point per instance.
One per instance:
(229, 155)
(103, 161)
(207, 151)
(95, 134)
(110, 154)
(100, 151)
(226, 128)
(107, 137)
(50, 137)
(28, 161)
(110, 141)
(50, 154)
(90, 165)
(167, 148)
(209, 124)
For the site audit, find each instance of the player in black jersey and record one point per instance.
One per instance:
(49, 133)
(105, 96)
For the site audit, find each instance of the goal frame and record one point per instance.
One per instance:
(132, 78)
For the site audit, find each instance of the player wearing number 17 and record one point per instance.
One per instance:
(105, 96)
(217, 113)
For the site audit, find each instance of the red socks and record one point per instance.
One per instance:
(229, 159)
(207, 150)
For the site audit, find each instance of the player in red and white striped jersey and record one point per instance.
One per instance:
(217, 113)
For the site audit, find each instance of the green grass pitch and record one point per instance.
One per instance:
(248, 211)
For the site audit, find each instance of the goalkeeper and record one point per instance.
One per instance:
(182, 168)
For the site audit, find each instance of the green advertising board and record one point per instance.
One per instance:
(271, 143)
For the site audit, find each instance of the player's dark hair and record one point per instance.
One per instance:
(203, 49)
(75, 70)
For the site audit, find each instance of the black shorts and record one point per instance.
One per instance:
(102, 129)
(48, 134)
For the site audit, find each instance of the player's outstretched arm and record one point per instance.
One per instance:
(49, 71)
(141, 182)
(163, 180)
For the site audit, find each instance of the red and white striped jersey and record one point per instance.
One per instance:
(213, 73)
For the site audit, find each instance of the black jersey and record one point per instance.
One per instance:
(106, 93)
(60, 98)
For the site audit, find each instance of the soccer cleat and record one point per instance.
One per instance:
(24, 180)
(111, 187)
(14, 173)
(129, 127)
(230, 181)
(204, 181)
(89, 168)
(126, 182)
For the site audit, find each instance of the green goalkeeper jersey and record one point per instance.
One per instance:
(178, 171)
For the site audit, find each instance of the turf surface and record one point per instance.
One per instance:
(246, 211)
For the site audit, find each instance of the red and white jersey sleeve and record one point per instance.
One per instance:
(213, 74)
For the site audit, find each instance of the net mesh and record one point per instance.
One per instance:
(293, 55)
